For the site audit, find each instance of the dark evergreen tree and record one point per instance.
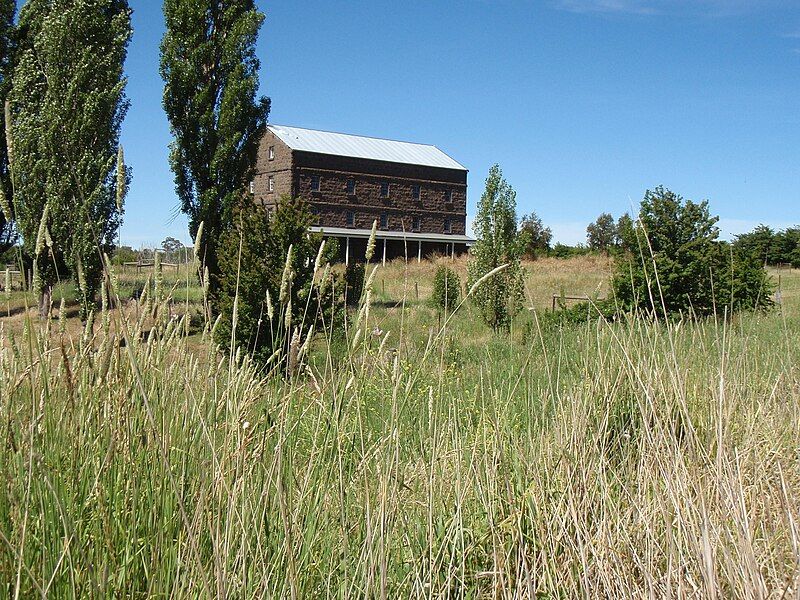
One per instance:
(210, 70)
(274, 304)
(68, 103)
(682, 268)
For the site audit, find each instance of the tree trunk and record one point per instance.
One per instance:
(45, 301)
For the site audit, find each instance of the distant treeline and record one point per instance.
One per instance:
(772, 247)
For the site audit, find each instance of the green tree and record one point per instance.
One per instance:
(274, 290)
(7, 48)
(601, 234)
(499, 297)
(682, 267)
(625, 238)
(173, 249)
(535, 237)
(68, 103)
(210, 70)
(761, 243)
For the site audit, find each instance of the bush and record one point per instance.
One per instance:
(683, 268)
(446, 289)
(277, 297)
(563, 251)
(353, 283)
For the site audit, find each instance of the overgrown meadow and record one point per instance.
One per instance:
(417, 455)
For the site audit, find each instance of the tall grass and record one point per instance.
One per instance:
(626, 459)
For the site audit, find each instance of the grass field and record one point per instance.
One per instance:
(437, 459)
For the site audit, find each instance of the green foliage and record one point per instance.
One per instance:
(446, 289)
(564, 251)
(354, 283)
(771, 247)
(602, 234)
(500, 297)
(625, 233)
(683, 268)
(535, 237)
(123, 254)
(7, 49)
(268, 267)
(68, 104)
(210, 70)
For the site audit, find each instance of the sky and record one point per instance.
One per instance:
(585, 104)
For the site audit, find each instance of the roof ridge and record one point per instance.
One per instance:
(369, 137)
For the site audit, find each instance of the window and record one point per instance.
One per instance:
(271, 184)
(448, 226)
(448, 195)
(415, 224)
(351, 187)
(253, 187)
(351, 218)
(271, 153)
(384, 221)
(415, 192)
(315, 183)
(385, 190)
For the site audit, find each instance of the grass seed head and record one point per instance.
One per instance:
(371, 242)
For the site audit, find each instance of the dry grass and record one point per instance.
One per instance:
(632, 459)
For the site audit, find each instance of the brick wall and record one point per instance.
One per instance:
(280, 168)
(332, 202)
(293, 172)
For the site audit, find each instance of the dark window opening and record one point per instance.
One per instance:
(384, 221)
(448, 195)
(448, 226)
(415, 224)
(351, 218)
(415, 192)
(351, 187)
(384, 190)
(315, 183)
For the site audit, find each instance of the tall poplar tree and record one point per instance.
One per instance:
(7, 11)
(500, 297)
(68, 103)
(210, 70)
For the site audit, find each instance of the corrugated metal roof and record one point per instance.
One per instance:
(357, 146)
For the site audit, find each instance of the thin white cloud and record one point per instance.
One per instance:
(701, 8)
(607, 6)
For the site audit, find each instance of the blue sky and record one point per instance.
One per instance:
(585, 104)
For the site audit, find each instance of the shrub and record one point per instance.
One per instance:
(353, 283)
(268, 267)
(682, 267)
(446, 289)
(564, 251)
